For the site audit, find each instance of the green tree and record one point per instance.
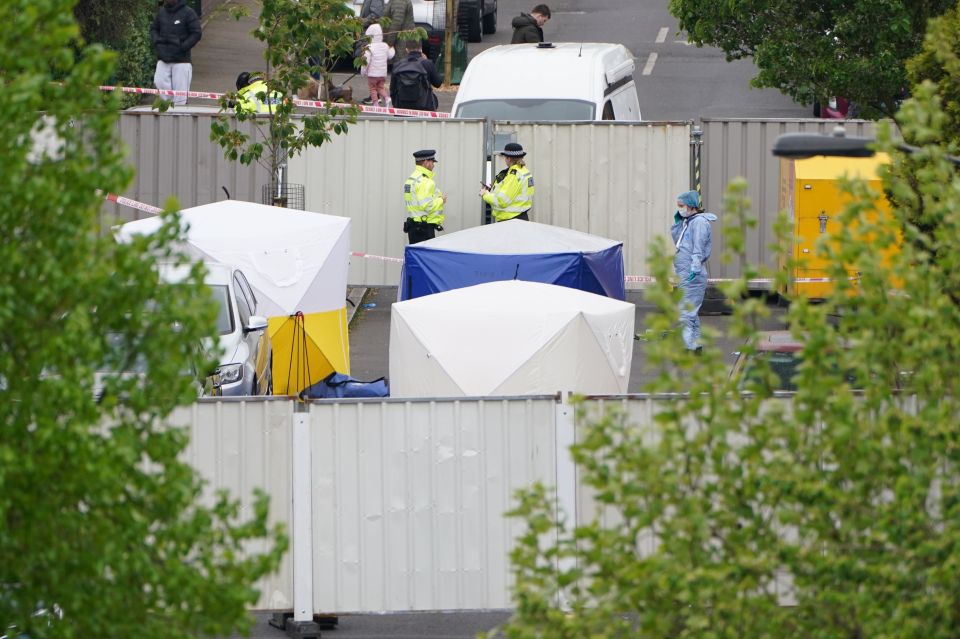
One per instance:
(846, 500)
(101, 519)
(939, 62)
(123, 27)
(815, 50)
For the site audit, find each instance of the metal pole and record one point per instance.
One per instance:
(696, 146)
(448, 29)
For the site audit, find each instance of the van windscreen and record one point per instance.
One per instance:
(527, 109)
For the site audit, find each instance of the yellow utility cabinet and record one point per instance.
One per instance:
(811, 195)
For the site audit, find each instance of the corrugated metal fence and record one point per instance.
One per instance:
(405, 499)
(612, 179)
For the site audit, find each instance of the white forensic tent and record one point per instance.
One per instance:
(296, 262)
(510, 338)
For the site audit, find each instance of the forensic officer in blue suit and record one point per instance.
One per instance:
(691, 234)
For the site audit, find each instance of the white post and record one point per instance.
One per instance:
(565, 435)
(302, 540)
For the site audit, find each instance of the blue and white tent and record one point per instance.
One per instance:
(510, 250)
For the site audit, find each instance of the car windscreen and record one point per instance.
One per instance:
(221, 294)
(527, 109)
(120, 359)
(783, 365)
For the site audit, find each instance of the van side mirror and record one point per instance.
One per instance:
(255, 323)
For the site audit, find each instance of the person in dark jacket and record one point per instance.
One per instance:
(416, 67)
(400, 13)
(174, 32)
(529, 27)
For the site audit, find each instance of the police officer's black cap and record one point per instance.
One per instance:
(425, 154)
(513, 150)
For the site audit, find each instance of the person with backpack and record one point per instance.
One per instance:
(413, 79)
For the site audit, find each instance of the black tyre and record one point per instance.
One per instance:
(468, 23)
(490, 23)
(816, 109)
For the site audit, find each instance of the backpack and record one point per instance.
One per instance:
(412, 89)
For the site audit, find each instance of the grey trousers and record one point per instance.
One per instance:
(175, 76)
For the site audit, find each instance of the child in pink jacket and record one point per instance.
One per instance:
(375, 57)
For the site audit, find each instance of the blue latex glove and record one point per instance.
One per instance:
(677, 217)
(692, 277)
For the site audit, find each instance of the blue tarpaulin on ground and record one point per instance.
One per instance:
(513, 250)
(336, 385)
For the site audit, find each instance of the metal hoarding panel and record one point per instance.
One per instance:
(741, 148)
(360, 175)
(174, 157)
(613, 179)
(409, 500)
(239, 446)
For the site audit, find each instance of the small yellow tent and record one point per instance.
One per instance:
(297, 263)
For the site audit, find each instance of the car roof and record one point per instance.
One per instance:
(567, 70)
(217, 273)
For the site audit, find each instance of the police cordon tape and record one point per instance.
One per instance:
(634, 279)
(313, 104)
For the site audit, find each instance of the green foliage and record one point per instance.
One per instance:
(843, 502)
(815, 50)
(301, 37)
(123, 27)
(100, 516)
(939, 62)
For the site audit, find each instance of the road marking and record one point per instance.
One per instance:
(648, 67)
(662, 36)
(683, 42)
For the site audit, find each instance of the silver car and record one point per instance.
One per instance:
(245, 364)
(246, 352)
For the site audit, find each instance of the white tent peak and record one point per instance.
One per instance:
(510, 338)
(516, 237)
(295, 260)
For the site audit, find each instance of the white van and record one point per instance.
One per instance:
(550, 81)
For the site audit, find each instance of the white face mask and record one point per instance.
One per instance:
(684, 211)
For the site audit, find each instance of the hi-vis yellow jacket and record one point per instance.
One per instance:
(249, 101)
(512, 195)
(423, 199)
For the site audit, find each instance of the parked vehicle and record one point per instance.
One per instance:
(131, 368)
(476, 18)
(782, 353)
(246, 352)
(780, 350)
(561, 81)
(835, 109)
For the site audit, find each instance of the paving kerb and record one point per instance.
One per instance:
(228, 47)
